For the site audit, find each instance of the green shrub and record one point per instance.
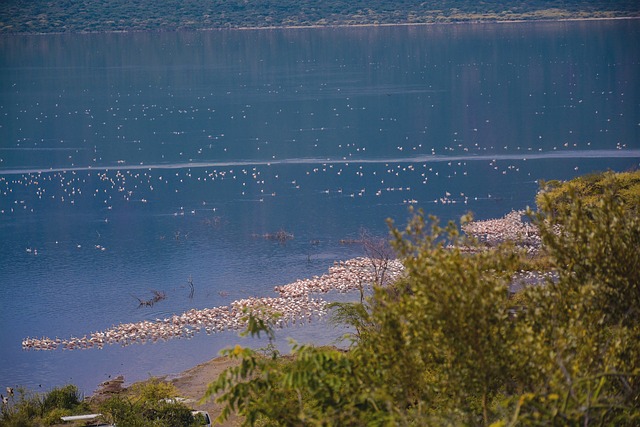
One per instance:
(22, 409)
(556, 197)
(53, 416)
(153, 390)
(119, 410)
(148, 403)
(174, 414)
(67, 397)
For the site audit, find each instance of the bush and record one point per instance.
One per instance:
(152, 391)
(174, 415)
(556, 197)
(120, 411)
(67, 397)
(53, 416)
(33, 409)
(148, 403)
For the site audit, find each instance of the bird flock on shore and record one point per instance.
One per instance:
(511, 227)
(293, 305)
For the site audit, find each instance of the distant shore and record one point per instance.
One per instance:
(334, 26)
(328, 25)
(424, 24)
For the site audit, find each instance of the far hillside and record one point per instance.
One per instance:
(64, 16)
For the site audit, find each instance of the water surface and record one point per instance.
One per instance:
(132, 162)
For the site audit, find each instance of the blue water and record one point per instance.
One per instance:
(133, 162)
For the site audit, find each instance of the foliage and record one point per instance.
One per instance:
(22, 409)
(53, 416)
(67, 397)
(557, 196)
(172, 415)
(444, 345)
(411, 322)
(451, 310)
(148, 403)
(586, 321)
(39, 16)
(152, 390)
(119, 410)
(145, 404)
(26, 408)
(317, 386)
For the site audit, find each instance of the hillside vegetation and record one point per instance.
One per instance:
(39, 16)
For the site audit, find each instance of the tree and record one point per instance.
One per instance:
(557, 197)
(586, 321)
(452, 310)
(449, 320)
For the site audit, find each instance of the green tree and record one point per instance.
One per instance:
(586, 321)
(557, 197)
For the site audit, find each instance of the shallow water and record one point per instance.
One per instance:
(132, 162)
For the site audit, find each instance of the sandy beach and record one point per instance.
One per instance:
(193, 382)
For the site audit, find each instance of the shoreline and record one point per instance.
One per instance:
(193, 382)
(191, 385)
(331, 26)
(416, 24)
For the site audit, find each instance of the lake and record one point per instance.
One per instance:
(138, 162)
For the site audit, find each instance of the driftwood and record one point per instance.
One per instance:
(281, 236)
(351, 242)
(157, 296)
(190, 281)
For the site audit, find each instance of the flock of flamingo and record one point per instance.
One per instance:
(294, 304)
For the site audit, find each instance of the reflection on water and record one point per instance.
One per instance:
(133, 162)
